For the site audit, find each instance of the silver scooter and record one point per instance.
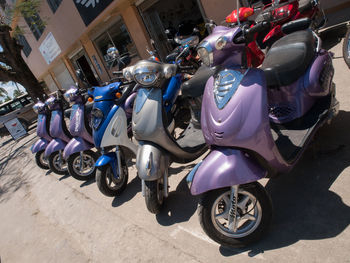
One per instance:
(153, 126)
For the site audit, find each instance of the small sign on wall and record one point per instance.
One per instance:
(15, 128)
(49, 48)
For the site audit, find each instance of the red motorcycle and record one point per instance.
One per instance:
(278, 13)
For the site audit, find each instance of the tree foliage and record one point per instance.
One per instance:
(17, 93)
(12, 65)
(3, 92)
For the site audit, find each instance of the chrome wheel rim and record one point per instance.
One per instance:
(112, 182)
(86, 167)
(43, 160)
(57, 161)
(248, 218)
(348, 48)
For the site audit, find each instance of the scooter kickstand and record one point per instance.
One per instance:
(232, 218)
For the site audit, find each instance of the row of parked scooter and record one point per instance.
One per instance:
(255, 112)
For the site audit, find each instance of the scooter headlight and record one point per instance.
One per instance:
(146, 76)
(205, 53)
(96, 118)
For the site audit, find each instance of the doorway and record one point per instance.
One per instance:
(81, 61)
(159, 15)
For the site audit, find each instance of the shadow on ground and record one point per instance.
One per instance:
(333, 36)
(12, 180)
(133, 187)
(180, 204)
(304, 206)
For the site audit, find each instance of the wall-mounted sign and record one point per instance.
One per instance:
(97, 64)
(90, 9)
(49, 48)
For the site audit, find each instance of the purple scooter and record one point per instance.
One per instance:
(43, 133)
(80, 158)
(258, 123)
(60, 135)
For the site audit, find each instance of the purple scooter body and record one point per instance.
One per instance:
(42, 130)
(80, 158)
(38, 148)
(244, 122)
(60, 135)
(258, 123)
(82, 140)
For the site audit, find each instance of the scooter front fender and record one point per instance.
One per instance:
(222, 168)
(54, 146)
(151, 162)
(40, 145)
(76, 145)
(109, 158)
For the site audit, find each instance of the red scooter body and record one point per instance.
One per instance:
(278, 13)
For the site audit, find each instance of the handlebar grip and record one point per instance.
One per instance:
(126, 93)
(258, 27)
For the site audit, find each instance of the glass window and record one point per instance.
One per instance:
(35, 24)
(16, 105)
(4, 110)
(23, 41)
(117, 36)
(54, 4)
(24, 101)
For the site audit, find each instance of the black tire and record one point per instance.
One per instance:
(39, 160)
(346, 44)
(104, 178)
(154, 197)
(74, 173)
(257, 230)
(52, 158)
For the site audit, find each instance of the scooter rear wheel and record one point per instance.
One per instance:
(88, 169)
(54, 164)
(41, 161)
(107, 183)
(254, 214)
(154, 196)
(346, 47)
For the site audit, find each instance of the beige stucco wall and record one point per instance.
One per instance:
(65, 25)
(218, 10)
(136, 29)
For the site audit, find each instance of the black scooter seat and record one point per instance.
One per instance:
(305, 5)
(195, 86)
(289, 58)
(191, 140)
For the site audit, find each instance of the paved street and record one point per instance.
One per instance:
(49, 218)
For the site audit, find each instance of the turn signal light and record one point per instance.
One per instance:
(90, 99)
(118, 95)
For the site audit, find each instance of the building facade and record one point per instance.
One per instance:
(78, 33)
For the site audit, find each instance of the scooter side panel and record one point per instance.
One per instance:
(147, 125)
(223, 168)
(116, 132)
(40, 145)
(77, 123)
(244, 121)
(41, 129)
(56, 129)
(54, 146)
(77, 144)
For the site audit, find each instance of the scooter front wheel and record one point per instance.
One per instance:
(82, 167)
(253, 216)
(57, 164)
(154, 196)
(107, 183)
(41, 160)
